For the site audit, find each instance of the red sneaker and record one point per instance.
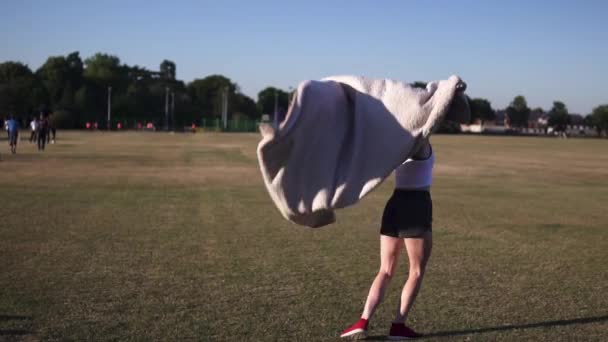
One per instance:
(356, 331)
(400, 332)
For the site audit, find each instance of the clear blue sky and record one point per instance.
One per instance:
(544, 50)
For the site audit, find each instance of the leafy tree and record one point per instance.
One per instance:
(53, 74)
(266, 100)
(102, 67)
(21, 93)
(599, 117)
(181, 110)
(245, 106)
(559, 118)
(167, 70)
(62, 77)
(588, 121)
(419, 84)
(63, 119)
(83, 102)
(75, 77)
(536, 113)
(101, 72)
(75, 65)
(206, 94)
(481, 110)
(518, 112)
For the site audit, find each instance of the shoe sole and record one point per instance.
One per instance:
(357, 334)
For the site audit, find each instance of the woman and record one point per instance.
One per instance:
(406, 222)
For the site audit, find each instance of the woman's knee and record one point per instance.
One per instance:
(416, 272)
(386, 273)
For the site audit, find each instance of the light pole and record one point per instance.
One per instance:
(109, 106)
(290, 88)
(276, 108)
(166, 108)
(172, 111)
(225, 107)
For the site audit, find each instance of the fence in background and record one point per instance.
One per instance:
(240, 125)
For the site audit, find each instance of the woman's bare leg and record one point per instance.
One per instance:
(418, 253)
(389, 253)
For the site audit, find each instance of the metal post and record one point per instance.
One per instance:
(276, 108)
(289, 97)
(225, 107)
(166, 108)
(109, 106)
(172, 111)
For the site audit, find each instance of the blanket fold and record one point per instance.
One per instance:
(341, 137)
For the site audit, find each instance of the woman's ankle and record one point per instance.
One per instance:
(399, 320)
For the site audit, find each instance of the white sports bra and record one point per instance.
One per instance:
(415, 174)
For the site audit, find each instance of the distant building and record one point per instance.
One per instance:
(578, 127)
(538, 124)
(576, 119)
(500, 117)
(538, 121)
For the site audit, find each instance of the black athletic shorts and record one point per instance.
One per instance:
(408, 213)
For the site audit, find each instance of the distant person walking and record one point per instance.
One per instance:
(51, 131)
(43, 129)
(34, 129)
(13, 133)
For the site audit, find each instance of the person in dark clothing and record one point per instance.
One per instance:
(51, 130)
(52, 133)
(43, 128)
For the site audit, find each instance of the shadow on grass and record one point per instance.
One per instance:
(15, 318)
(556, 323)
(14, 332)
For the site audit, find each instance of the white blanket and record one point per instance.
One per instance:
(341, 137)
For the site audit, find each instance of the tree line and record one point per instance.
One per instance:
(518, 115)
(76, 91)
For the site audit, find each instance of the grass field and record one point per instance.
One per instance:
(152, 236)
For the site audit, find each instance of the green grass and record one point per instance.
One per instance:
(138, 237)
